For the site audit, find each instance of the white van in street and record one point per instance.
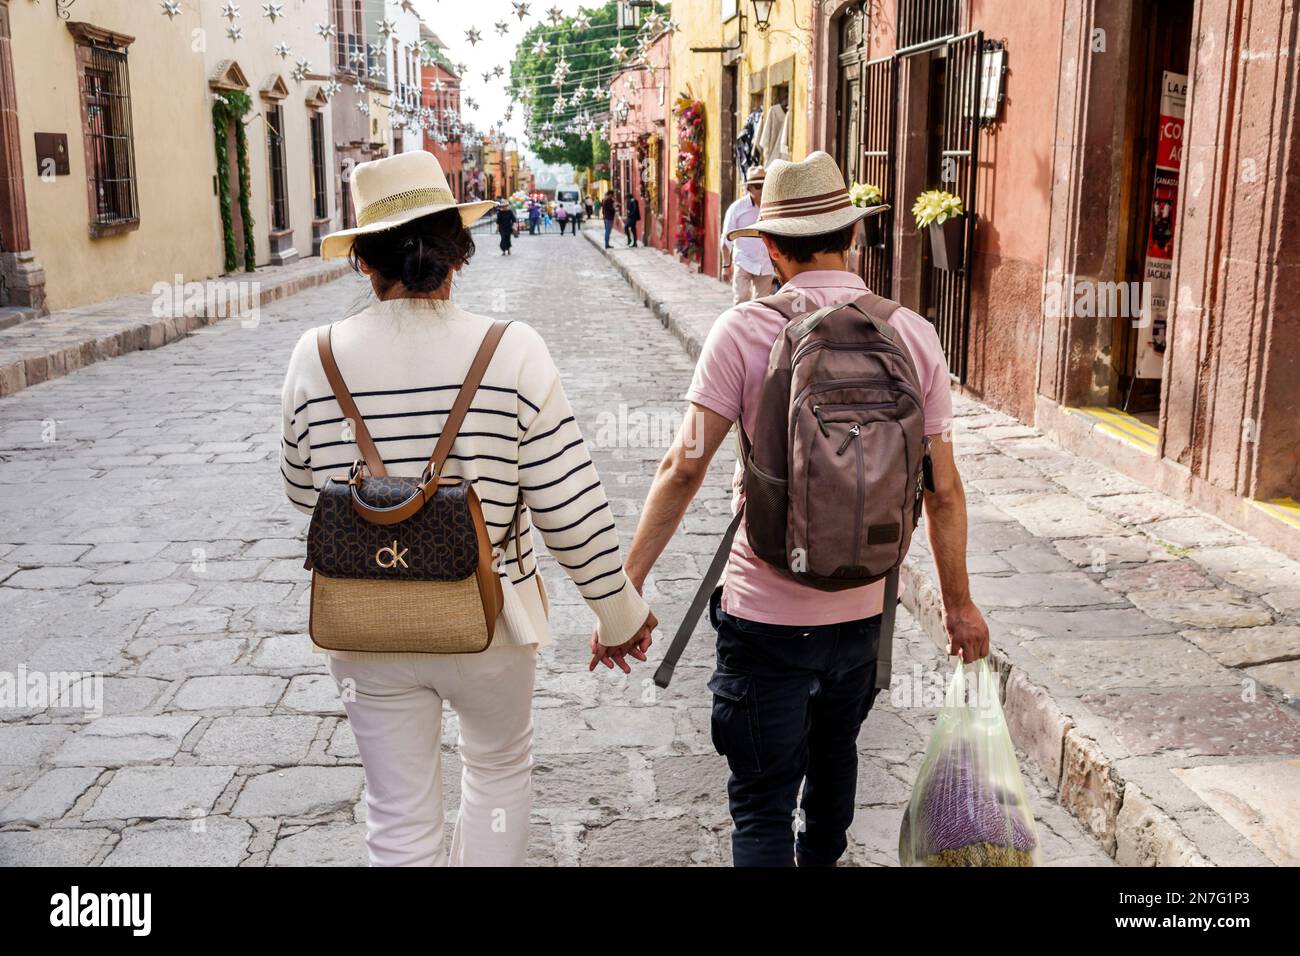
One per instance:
(570, 197)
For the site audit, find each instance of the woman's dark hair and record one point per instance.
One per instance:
(420, 254)
(803, 248)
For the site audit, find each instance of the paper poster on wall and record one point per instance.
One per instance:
(1152, 335)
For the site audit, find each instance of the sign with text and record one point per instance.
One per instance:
(1152, 335)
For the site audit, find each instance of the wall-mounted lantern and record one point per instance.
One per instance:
(763, 14)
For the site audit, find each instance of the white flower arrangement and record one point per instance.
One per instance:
(865, 194)
(935, 206)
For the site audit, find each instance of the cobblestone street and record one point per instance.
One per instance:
(146, 537)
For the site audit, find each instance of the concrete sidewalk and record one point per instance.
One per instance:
(39, 349)
(1150, 653)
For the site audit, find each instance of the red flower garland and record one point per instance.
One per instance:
(690, 176)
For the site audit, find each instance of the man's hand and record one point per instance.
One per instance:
(616, 655)
(968, 635)
(726, 272)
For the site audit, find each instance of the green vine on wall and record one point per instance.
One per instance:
(229, 107)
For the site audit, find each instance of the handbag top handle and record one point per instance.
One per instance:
(455, 418)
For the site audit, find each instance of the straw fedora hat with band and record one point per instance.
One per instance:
(805, 199)
(756, 176)
(389, 192)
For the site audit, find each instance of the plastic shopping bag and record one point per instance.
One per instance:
(968, 805)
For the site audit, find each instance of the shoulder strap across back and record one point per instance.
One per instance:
(450, 429)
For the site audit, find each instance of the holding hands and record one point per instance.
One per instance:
(615, 655)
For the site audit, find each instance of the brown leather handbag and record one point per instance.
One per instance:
(403, 564)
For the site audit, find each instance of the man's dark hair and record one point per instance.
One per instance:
(420, 254)
(804, 248)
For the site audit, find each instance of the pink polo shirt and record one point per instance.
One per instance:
(728, 378)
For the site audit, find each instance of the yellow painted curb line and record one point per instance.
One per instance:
(1286, 510)
(1122, 426)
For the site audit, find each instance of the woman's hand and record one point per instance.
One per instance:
(637, 645)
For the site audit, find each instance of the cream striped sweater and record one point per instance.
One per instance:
(404, 360)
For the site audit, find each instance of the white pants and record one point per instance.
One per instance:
(395, 709)
(746, 286)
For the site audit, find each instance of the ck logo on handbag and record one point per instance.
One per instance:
(391, 557)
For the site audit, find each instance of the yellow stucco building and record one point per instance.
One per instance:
(722, 57)
(107, 171)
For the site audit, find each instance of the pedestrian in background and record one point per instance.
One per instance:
(745, 262)
(562, 215)
(519, 445)
(608, 213)
(505, 225)
(631, 219)
(534, 217)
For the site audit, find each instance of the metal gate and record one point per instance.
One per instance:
(879, 119)
(958, 163)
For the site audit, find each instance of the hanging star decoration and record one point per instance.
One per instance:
(171, 9)
(654, 20)
(408, 6)
(487, 77)
(230, 11)
(521, 9)
(301, 70)
(618, 53)
(235, 33)
(282, 50)
(327, 30)
(471, 102)
(559, 105)
(541, 47)
(386, 27)
(438, 86)
(580, 93)
(461, 69)
(356, 56)
(582, 21)
(473, 36)
(330, 88)
(498, 71)
(273, 11)
(359, 85)
(502, 27)
(363, 107)
(555, 15)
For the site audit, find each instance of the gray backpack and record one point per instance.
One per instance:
(835, 473)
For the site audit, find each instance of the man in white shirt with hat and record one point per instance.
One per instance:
(746, 264)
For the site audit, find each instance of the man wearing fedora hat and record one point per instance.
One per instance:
(796, 667)
(745, 262)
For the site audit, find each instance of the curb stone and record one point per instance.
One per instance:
(19, 371)
(1128, 826)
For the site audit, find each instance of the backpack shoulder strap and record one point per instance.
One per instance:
(366, 445)
(465, 396)
(879, 310)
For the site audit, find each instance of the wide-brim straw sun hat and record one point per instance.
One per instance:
(387, 193)
(807, 198)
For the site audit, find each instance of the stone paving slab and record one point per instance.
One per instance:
(1130, 626)
(52, 345)
(223, 740)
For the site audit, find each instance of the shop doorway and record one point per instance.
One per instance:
(729, 130)
(1161, 50)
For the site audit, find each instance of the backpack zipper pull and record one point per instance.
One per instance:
(817, 413)
(854, 432)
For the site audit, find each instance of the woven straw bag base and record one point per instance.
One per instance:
(398, 617)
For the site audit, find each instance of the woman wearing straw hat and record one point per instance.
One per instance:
(403, 359)
(746, 257)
